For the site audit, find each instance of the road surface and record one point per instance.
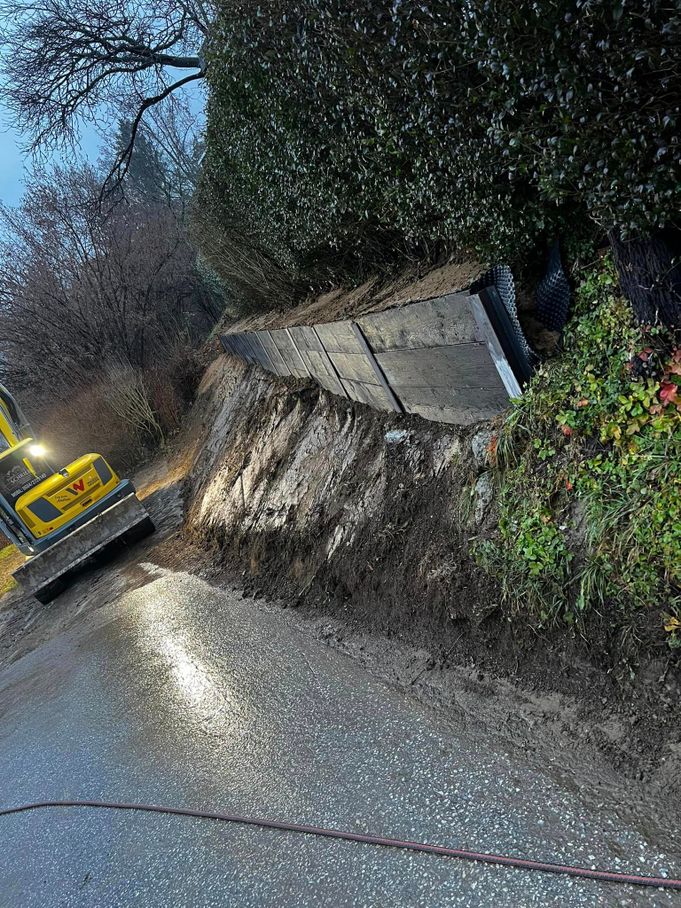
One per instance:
(182, 694)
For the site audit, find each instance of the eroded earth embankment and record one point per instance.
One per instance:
(366, 521)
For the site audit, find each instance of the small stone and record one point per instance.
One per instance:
(480, 447)
(483, 496)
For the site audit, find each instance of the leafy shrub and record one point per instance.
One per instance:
(333, 124)
(590, 470)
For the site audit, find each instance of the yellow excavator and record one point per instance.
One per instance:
(59, 518)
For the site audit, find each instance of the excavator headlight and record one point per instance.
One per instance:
(37, 451)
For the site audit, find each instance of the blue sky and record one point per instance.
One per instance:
(15, 161)
(11, 167)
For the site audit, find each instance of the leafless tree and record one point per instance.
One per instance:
(175, 131)
(168, 152)
(69, 60)
(83, 286)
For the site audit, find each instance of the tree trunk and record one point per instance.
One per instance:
(650, 275)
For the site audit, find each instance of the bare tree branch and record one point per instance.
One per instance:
(73, 60)
(82, 285)
(122, 164)
(174, 129)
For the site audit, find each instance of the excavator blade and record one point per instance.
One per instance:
(45, 574)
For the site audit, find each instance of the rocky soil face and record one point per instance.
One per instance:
(365, 521)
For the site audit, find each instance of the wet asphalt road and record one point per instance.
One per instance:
(181, 694)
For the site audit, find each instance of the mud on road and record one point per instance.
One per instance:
(184, 694)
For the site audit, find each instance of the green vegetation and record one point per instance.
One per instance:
(10, 559)
(589, 463)
(341, 132)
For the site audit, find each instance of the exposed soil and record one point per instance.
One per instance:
(302, 497)
(413, 284)
(375, 294)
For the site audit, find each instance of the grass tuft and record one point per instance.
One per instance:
(10, 559)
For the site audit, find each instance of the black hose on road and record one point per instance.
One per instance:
(603, 876)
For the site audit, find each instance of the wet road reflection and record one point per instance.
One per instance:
(196, 689)
(185, 695)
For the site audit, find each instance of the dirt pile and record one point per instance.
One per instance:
(373, 295)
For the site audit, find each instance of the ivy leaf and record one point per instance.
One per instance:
(668, 392)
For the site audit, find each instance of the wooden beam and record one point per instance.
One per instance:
(455, 367)
(261, 353)
(298, 354)
(327, 361)
(227, 344)
(288, 369)
(438, 322)
(489, 336)
(378, 372)
(338, 337)
(373, 395)
(278, 363)
(353, 366)
(505, 329)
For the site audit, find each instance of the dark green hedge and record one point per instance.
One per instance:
(488, 123)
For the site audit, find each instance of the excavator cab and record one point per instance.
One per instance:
(17, 472)
(58, 518)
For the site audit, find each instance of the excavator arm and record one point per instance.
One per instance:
(14, 426)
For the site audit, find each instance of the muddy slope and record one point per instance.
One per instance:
(366, 519)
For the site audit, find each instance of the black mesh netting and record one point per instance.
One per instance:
(553, 293)
(501, 277)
